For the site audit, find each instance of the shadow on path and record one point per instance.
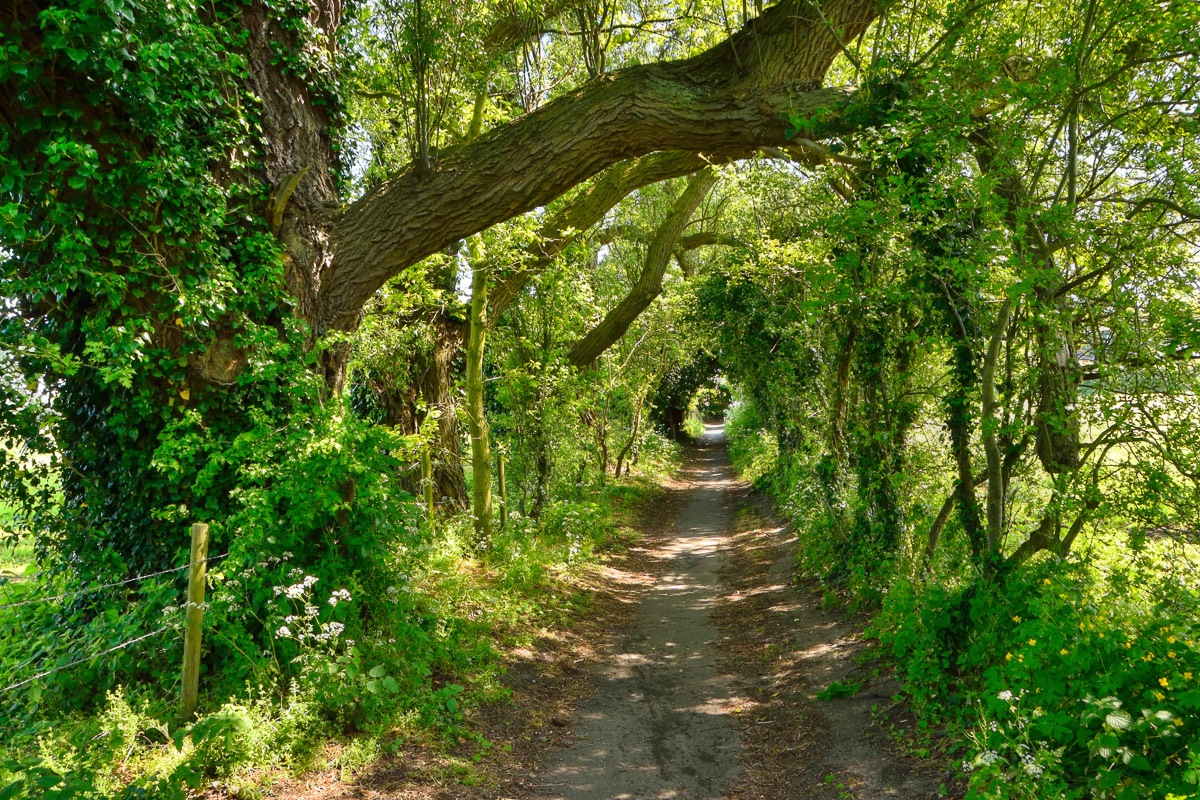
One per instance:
(659, 726)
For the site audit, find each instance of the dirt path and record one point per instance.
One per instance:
(710, 691)
(660, 723)
(693, 676)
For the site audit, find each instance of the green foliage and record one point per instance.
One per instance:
(1068, 681)
(838, 689)
(139, 265)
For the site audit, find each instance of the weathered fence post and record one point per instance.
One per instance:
(503, 495)
(195, 618)
(427, 483)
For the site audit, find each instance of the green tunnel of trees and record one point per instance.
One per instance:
(259, 257)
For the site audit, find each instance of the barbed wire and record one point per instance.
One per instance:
(77, 662)
(101, 587)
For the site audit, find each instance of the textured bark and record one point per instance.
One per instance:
(995, 490)
(734, 97)
(515, 28)
(299, 161)
(432, 387)
(649, 284)
(477, 425)
(584, 211)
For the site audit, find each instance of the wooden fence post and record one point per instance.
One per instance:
(503, 496)
(427, 483)
(195, 618)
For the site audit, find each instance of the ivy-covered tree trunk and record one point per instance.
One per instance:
(431, 390)
(885, 417)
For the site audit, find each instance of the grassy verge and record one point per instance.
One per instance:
(415, 678)
(16, 558)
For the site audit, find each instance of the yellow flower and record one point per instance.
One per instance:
(1163, 682)
(1170, 654)
(1008, 656)
(1020, 659)
(1178, 722)
(1187, 676)
(1046, 581)
(1032, 642)
(1171, 639)
(1159, 696)
(1062, 652)
(1017, 620)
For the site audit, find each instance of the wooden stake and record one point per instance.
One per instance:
(427, 483)
(195, 619)
(503, 497)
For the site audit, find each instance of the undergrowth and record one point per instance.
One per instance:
(358, 663)
(1075, 678)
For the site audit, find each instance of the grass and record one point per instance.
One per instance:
(16, 557)
(465, 604)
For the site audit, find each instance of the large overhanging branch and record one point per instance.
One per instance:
(736, 96)
(649, 283)
(585, 210)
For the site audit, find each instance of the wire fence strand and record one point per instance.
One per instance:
(102, 587)
(77, 662)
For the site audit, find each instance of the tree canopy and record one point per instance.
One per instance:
(262, 258)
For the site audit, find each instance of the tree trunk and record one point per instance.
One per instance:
(633, 435)
(959, 416)
(583, 212)
(730, 100)
(433, 387)
(300, 164)
(990, 423)
(481, 454)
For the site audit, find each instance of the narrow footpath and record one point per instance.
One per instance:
(709, 690)
(660, 723)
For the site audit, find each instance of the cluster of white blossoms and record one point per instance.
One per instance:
(304, 626)
(299, 590)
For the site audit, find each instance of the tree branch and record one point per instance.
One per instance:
(732, 98)
(649, 284)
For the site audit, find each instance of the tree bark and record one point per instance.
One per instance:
(736, 96)
(433, 384)
(995, 478)
(584, 211)
(649, 284)
(300, 164)
(481, 454)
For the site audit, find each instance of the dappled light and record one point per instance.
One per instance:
(535, 399)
